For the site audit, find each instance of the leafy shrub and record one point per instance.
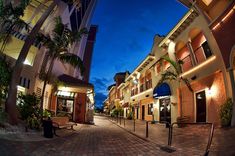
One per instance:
(117, 111)
(114, 112)
(29, 110)
(5, 72)
(225, 113)
(46, 114)
(3, 118)
(130, 115)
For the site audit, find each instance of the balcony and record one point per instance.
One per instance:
(187, 63)
(202, 53)
(134, 91)
(142, 88)
(148, 84)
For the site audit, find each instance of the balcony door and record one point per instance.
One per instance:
(143, 112)
(165, 110)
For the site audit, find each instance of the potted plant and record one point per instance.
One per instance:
(225, 113)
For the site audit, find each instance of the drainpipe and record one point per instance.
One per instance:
(231, 75)
(192, 55)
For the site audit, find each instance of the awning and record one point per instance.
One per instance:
(162, 90)
(71, 81)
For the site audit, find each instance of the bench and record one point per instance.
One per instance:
(62, 122)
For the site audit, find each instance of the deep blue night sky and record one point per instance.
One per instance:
(125, 36)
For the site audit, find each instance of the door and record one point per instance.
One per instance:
(65, 107)
(143, 112)
(201, 106)
(165, 110)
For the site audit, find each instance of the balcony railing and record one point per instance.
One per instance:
(200, 55)
(187, 63)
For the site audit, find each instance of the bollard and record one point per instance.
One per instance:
(124, 122)
(147, 129)
(120, 120)
(134, 125)
(169, 135)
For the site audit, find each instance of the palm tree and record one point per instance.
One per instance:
(58, 49)
(10, 20)
(15, 77)
(12, 92)
(174, 74)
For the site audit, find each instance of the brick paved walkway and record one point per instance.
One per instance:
(103, 138)
(190, 138)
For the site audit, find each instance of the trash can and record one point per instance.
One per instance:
(47, 128)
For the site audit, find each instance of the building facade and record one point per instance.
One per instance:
(202, 41)
(75, 97)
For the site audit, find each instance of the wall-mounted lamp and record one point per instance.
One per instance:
(211, 92)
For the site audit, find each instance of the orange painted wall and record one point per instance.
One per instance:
(145, 102)
(80, 107)
(216, 83)
(53, 103)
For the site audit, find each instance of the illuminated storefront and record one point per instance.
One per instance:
(75, 99)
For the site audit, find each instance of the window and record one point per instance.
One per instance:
(150, 109)
(207, 50)
(158, 67)
(141, 87)
(38, 92)
(28, 83)
(65, 106)
(148, 84)
(24, 84)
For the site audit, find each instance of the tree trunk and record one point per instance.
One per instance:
(48, 74)
(181, 105)
(11, 99)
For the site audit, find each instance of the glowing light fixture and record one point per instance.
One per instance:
(27, 62)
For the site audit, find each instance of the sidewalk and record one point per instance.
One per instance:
(18, 133)
(192, 137)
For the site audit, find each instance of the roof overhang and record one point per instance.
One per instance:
(180, 27)
(150, 58)
(111, 88)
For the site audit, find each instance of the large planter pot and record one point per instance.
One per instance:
(47, 128)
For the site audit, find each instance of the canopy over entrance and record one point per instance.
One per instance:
(162, 90)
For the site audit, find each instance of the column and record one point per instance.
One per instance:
(231, 75)
(192, 55)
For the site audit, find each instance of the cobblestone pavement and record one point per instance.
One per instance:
(190, 138)
(103, 138)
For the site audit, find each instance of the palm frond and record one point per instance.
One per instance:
(59, 26)
(167, 76)
(78, 35)
(73, 60)
(187, 83)
(175, 65)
